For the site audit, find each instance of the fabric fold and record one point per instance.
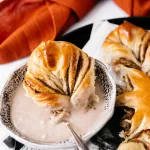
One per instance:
(135, 7)
(25, 23)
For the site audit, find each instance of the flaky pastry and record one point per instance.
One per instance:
(60, 76)
(127, 51)
(131, 146)
(138, 99)
(128, 42)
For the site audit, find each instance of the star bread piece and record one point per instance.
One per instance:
(138, 99)
(127, 51)
(60, 76)
(131, 146)
(129, 45)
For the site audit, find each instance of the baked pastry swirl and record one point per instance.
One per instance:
(139, 100)
(127, 51)
(60, 76)
(128, 45)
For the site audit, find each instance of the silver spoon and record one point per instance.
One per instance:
(81, 145)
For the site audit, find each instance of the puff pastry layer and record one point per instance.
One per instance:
(127, 50)
(60, 76)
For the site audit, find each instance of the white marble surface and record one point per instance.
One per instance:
(105, 9)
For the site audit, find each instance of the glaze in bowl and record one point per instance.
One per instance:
(16, 78)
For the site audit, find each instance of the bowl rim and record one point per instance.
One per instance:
(68, 145)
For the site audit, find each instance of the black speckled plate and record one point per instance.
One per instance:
(108, 138)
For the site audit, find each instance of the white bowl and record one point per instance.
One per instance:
(16, 78)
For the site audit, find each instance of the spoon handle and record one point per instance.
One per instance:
(81, 145)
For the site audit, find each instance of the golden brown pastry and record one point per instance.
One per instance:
(60, 76)
(138, 99)
(137, 124)
(140, 142)
(144, 138)
(127, 51)
(131, 146)
(128, 43)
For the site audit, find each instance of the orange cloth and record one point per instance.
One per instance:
(135, 7)
(25, 23)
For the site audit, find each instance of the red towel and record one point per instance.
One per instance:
(25, 23)
(135, 7)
